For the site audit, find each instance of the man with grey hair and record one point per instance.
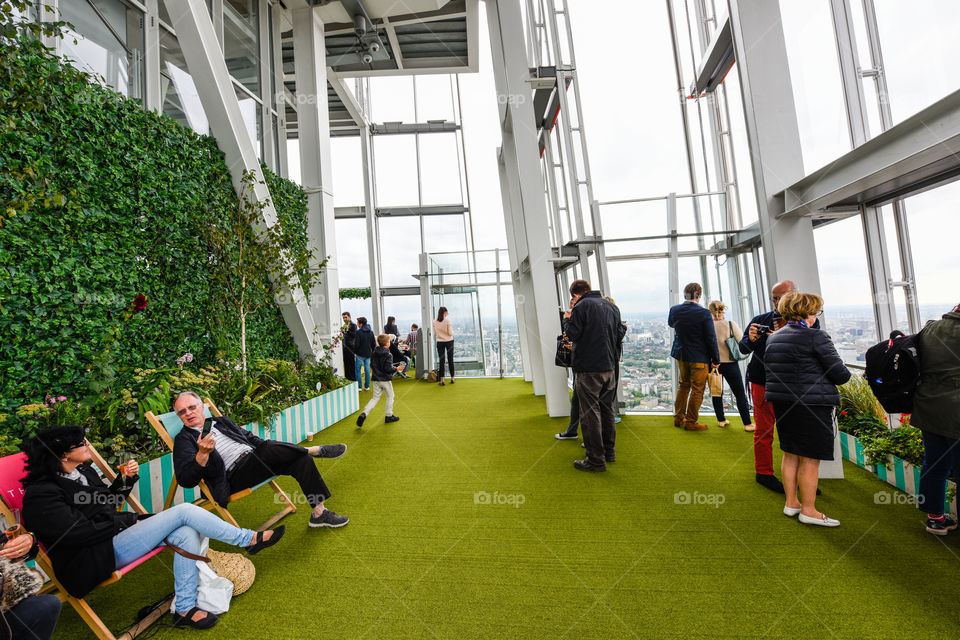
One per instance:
(230, 459)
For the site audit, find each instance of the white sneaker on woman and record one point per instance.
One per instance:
(822, 521)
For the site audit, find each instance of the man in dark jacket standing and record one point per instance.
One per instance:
(349, 334)
(231, 459)
(363, 345)
(755, 341)
(695, 350)
(594, 327)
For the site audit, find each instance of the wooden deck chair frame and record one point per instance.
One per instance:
(80, 605)
(207, 501)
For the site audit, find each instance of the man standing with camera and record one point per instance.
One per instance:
(755, 342)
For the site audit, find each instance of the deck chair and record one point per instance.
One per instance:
(168, 426)
(12, 472)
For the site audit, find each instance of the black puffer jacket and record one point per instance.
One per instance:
(802, 365)
(381, 363)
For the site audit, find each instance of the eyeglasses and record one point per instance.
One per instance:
(77, 446)
(185, 410)
(820, 313)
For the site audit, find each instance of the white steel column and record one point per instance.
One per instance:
(152, 99)
(773, 136)
(370, 208)
(774, 139)
(316, 169)
(519, 286)
(205, 62)
(522, 163)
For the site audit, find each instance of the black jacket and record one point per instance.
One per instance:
(595, 329)
(365, 342)
(694, 338)
(756, 374)
(392, 329)
(77, 525)
(348, 338)
(803, 366)
(189, 473)
(381, 364)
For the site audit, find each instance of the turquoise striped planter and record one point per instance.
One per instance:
(896, 472)
(294, 424)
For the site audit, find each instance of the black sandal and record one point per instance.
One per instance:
(259, 544)
(186, 619)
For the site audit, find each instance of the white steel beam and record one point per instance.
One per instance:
(205, 62)
(522, 167)
(316, 168)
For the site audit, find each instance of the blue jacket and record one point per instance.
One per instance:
(694, 339)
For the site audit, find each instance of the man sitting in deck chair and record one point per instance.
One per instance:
(231, 459)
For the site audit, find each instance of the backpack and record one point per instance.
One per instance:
(893, 371)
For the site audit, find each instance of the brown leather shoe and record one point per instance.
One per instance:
(677, 422)
(694, 426)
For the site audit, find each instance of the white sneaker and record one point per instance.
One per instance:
(822, 521)
(790, 511)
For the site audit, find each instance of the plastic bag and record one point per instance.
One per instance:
(213, 592)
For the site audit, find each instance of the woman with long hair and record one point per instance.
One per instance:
(391, 326)
(443, 330)
(74, 515)
(729, 369)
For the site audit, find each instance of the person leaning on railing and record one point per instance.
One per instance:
(936, 412)
(803, 370)
(74, 515)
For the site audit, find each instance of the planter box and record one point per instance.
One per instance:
(294, 424)
(897, 472)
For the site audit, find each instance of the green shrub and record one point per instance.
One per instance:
(101, 201)
(856, 398)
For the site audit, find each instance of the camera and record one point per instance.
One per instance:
(763, 329)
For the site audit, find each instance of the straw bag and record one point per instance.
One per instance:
(234, 567)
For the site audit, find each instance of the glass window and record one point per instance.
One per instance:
(845, 287)
(391, 99)
(352, 259)
(743, 163)
(109, 43)
(920, 49)
(440, 169)
(815, 76)
(177, 89)
(399, 250)
(347, 163)
(250, 110)
(396, 170)
(241, 42)
(435, 98)
(444, 233)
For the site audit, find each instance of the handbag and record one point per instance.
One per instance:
(213, 591)
(715, 380)
(733, 346)
(564, 357)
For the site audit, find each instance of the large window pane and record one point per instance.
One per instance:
(396, 169)
(440, 167)
(178, 92)
(347, 164)
(241, 42)
(109, 43)
(815, 76)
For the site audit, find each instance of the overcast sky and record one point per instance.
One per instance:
(636, 146)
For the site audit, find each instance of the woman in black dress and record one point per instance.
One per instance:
(803, 371)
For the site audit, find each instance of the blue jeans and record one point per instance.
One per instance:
(365, 363)
(940, 455)
(183, 525)
(34, 617)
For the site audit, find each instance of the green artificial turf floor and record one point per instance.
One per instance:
(468, 520)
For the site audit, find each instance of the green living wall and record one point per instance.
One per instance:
(103, 202)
